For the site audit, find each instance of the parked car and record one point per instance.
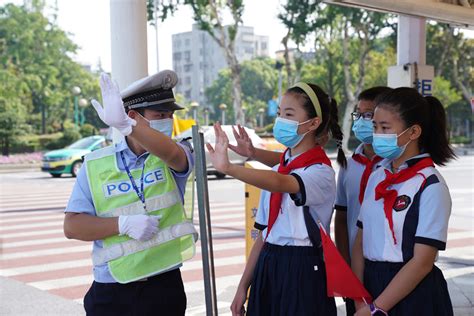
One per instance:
(69, 159)
(210, 137)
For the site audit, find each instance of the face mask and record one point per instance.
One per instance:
(165, 126)
(363, 130)
(286, 132)
(385, 145)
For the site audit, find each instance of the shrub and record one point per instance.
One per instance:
(88, 130)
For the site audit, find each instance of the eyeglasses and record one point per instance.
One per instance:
(366, 116)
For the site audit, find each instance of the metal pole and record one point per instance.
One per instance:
(223, 117)
(205, 223)
(195, 116)
(76, 111)
(43, 118)
(83, 118)
(279, 85)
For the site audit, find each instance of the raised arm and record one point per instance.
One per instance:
(158, 143)
(137, 127)
(263, 179)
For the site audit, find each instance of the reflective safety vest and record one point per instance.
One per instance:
(113, 195)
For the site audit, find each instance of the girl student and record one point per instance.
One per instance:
(403, 220)
(352, 180)
(285, 270)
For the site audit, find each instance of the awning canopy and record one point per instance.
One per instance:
(437, 10)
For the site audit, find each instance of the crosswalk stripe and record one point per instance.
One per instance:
(87, 279)
(45, 252)
(238, 246)
(32, 233)
(29, 218)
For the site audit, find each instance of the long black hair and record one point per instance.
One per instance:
(429, 113)
(329, 120)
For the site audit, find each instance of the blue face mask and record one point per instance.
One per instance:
(165, 126)
(363, 130)
(286, 132)
(385, 145)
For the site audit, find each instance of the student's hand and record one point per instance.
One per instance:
(359, 305)
(244, 143)
(113, 112)
(140, 227)
(219, 155)
(237, 307)
(364, 311)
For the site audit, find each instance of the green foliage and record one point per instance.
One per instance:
(445, 92)
(36, 65)
(207, 14)
(259, 83)
(88, 130)
(69, 136)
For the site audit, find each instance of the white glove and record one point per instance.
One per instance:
(140, 227)
(113, 112)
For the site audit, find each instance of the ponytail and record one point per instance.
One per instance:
(336, 133)
(436, 142)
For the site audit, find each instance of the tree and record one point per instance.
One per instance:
(299, 18)
(452, 56)
(40, 55)
(344, 41)
(259, 84)
(365, 27)
(13, 108)
(209, 16)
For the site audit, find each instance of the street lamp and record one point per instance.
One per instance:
(82, 104)
(206, 116)
(261, 112)
(223, 108)
(76, 91)
(194, 105)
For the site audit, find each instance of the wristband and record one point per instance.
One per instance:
(375, 311)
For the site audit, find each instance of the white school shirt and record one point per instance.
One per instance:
(318, 191)
(347, 193)
(420, 214)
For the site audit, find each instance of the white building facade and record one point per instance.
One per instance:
(197, 58)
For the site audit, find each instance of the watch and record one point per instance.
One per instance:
(375, 311)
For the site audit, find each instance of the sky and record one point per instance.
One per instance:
(88, 25)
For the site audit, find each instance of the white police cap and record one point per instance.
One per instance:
(154, 91)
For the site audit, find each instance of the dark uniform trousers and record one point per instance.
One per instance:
(162, 294)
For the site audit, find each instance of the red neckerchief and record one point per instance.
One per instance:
(313, 156)
(389, 196)
(369, 164)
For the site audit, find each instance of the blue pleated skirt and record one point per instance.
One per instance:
(429, 298)
(289, 281)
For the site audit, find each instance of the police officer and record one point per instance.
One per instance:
(128, 200)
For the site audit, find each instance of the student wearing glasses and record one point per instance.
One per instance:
(352, 180)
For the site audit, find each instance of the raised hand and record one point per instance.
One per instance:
(113, 112)
(244, 143)
(218, 153)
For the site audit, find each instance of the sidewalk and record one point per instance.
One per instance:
(10, 168)
(20, 299)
